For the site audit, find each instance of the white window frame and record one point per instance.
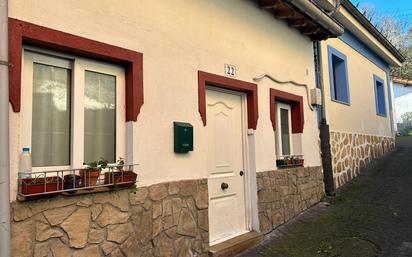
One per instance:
(78, 66)
(287, 107)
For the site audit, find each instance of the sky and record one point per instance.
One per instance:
(396, 8)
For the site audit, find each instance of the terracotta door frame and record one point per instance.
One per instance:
(205, 78)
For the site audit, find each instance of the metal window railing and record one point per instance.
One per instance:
(75, 181)
(288, 161)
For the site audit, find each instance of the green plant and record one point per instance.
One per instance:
(40, 180)
(92, 165)
(410, 133)
(133, 189)
(101, 164)
(120, 164)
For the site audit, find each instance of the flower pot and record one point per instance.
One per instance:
(89, 177)
(280, 163)
(70, 182)
(120, 178)
(41, 186)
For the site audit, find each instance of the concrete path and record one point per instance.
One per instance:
(371, 216)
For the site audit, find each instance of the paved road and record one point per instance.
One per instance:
(371, 216)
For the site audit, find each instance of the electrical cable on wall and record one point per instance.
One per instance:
(286, 82)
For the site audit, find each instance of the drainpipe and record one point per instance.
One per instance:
(323, 126)
(4, 134)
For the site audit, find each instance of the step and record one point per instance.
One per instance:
(235, 245)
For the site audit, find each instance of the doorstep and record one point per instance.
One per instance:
(235, 245)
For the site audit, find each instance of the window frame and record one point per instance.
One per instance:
(78, 66)
(377, 80)
(288, 107)
(332, 52)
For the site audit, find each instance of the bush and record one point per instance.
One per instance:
(410, 133)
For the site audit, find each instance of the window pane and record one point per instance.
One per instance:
(380, 98)
(99, 117)
(339, 79)
(51, 116)
(284, 131)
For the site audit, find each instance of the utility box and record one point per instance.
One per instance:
(315, 96)
(183, 137)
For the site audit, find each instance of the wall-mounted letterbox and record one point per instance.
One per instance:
(183, 133)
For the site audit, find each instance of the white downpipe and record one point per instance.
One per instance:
(5, 241)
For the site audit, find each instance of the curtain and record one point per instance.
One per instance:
(51, 116)
(99, 117)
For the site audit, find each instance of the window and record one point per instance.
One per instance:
(379, 96)
(51, 115)
(73, 110)
(284, 129)
(338, 75)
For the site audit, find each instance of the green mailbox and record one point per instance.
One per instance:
(183, 133)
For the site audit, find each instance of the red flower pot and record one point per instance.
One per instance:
(89, 177)
(43, 186)
(120, 178)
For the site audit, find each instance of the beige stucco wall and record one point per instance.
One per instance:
(360, 116)
(178, 38)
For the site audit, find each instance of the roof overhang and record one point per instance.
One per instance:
(354, 21)
(304, 16)
(405, 82)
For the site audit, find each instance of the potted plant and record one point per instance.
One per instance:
(90, 175)
(120, 177)
(71, 181)
(41, 185)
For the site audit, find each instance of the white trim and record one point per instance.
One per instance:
(287, 107)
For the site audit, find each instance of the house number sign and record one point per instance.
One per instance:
(230, 70)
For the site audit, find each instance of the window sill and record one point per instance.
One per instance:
(340, 102)
(382, 115)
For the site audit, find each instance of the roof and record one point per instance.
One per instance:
(305, 16)
(372, 29)
(404, 82)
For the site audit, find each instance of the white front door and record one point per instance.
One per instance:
(225, 129)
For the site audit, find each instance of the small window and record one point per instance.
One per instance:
(284, 129)
(338, 74)
(380, 96)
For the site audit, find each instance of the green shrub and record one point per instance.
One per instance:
(410, 133)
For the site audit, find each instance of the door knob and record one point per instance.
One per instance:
(241, 173)
(224, 186)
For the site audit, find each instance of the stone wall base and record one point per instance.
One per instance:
(352, 152)
(168, 219)
(284, 193)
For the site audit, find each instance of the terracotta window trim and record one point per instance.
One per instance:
(25, 33)
(296, 103)
(205, 78)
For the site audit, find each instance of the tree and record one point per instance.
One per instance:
(406, 126)
(398, 31)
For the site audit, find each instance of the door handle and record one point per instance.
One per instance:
(241, 173)
(224, 186)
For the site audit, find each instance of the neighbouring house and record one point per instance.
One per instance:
(402, 95)
(357, 93)
(215, 101)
